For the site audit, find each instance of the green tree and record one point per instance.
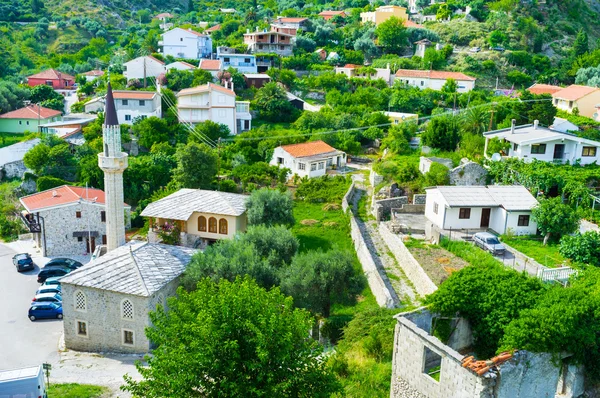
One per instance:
(392, 35)
(317, 280)
(399, 136)
(543, 111)
(209, 129)
(196, 166)
(232, 339)
(553, 217)
(273, 105)
(581, 44)
(437, 175)
(151, 130)
(47, 182)
(450, 87)
(270, 207)
(442, 133)
(582, 248)
(518, 78)
(497, 38)
(277, 244)
(43, 93)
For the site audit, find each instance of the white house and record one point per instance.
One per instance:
(310, 159)
(211, 65)
(136, 104)
(244, 63)
(186, 43)
(563, 125)
(67, 220)
(434, 79)
(532, 141)
(208, 102)
(497, 207)
(93, 75)
(141, 67)
(352, 70)
(11, 158)
(180, 65)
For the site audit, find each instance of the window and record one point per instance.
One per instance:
(79, 239)
(282, 48)
(27, 122)
(127, 337)
(212, 225)
(125, 102)
(523, 221)
(127, 118)
(103, 216)
(301, 166)
(538, 148)
(20, 122)
(515, 147)
(321, 165)
(77, 214)
(588, 151)
(127, 309)
(422, 83)
(329, 162)
(464, 213)
(82, 329)
(103, 239)
(435, 207)
(279, 160)
(202, 224)
(226, 60)
(247, 60)
(432, 364)
(570, 104)
(142, 102)
(260, 46)
(260, 36)
(124, 68)
(313, 166)
(80, 301)
(181, 39)
(223, 226)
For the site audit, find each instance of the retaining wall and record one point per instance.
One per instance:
(411, 267)
(348, 198)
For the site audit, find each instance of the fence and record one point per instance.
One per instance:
(561, 275)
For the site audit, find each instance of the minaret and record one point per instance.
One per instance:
(113, 162)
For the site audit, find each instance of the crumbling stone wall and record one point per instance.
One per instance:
(469, 173)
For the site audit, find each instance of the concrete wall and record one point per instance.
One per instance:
(375, 179)
(382, 208)
(470, 173)
(411, 267)
(425, 163)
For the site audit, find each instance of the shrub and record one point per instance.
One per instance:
(323, 189)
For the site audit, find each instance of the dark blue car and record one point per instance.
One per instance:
(45, 310)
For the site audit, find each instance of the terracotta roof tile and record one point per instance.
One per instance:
(206, 87)
(210, 64)
(543, 89)
(482, 367)
(574, 92)
(164, 15)
(291, 20)
(411, 24)
(213, 28)
(61, 196)
(130, 94)
(308, 149)
(52, 74)
(433, 74)
(31, 112)
(331, 13)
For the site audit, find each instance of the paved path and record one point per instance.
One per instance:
(585, 226)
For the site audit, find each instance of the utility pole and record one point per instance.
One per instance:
(218, 164)
(144, 71)
(492, 111)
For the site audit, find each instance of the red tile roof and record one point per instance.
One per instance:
(163, 15)
(351, 66)
(433, 74)
(308, 149)
(61, 196)
(193, 32)
(31, 112)
(411, 24)
(206, 87)
(52, 74)
(543, 89)
(213, 28)
(482, 367)
(130, 94)
(210, 64)
(94, 72)
(331, 13)
(574, 92)
(291, 20)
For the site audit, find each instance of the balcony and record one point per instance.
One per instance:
(32, 223)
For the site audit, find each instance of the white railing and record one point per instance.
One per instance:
(561, 275)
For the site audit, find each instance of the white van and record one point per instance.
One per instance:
(23, 383)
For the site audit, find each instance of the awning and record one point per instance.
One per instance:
(85, 234)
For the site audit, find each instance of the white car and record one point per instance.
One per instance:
(489, 242)
(475, 49)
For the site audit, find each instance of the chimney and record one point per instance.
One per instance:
(248, 30)
(535, 124)
(232, 85)
(257, 28)
(54, 194)
(512, 126)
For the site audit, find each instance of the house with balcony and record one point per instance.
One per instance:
(309, 159)
(143, 67)
(53, 78)
(67, 220)
(583, 98)
(532, 141)
(243, 118)
(244, 63)
(208, 102)
(383, 13)
(186, 43)
(269, 42)
(202, 217)
(292, 22)
(434, 79)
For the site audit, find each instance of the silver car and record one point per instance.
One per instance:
(489, 242)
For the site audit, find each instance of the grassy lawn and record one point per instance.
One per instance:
(319, 229)
(7, 139)
(546, 255)
(72, 390)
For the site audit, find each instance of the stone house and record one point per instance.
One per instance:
(423, 366)
(11, 158)
(28, 118)
(106, 302)
(202, 216)
(309, 159)
(67, 220)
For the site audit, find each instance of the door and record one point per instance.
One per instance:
(485, 218)
(559, 151)
(92, 244)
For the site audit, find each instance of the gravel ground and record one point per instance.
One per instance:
(437, 263)
(403, 390)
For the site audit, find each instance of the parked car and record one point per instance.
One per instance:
(475, 49)
(64, 262)
(489, 242)
(52, 281)
(47, 297)
(23, 262)
(497, 48)
(45, 310)
(49, 289)
(46, 273)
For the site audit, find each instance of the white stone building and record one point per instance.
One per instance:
(131, 105)
(532, 141)
(202, 216)
(497, 207)
(143, 67)
(208, 102)
(434, 79)
(107, 301)
(186, 43)
(180, 65)
(310, 159)
(68, 220)
(11, 158)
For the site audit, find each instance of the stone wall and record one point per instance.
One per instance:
(411, 267)
(375, 179)
(425, 163)
(469, 173)
(382, 208)
(419, 199)
(13, 170)
(419, 209)
(347, 199)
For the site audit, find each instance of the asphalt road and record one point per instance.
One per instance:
(22, 342)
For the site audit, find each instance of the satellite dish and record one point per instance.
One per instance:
(496, 157)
